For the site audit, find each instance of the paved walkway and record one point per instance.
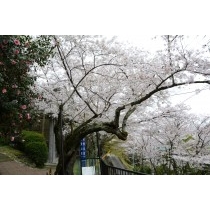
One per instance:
(11, 167)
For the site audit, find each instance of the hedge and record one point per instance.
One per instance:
(37, 152)
(35, 147)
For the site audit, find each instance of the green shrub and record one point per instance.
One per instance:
(143, 169)
(28, 137)
(32, 136)
(33, 144)
(37, 152)
(3, 141)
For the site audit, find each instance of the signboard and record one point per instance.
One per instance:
(83, 152)
(88, 170)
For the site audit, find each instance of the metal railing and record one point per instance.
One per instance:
(110, 170)
(101, 168)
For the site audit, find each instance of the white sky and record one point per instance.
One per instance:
(199, 103)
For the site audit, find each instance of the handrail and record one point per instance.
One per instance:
(111, 170)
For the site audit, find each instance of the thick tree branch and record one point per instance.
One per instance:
(129, 112)
(149, 95)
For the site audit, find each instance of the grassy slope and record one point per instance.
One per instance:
(19, 156)
(15, 154)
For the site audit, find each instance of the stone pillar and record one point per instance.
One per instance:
(52, 148)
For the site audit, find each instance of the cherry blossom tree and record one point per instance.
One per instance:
(99, 85)
(197, 144)
(170, 140)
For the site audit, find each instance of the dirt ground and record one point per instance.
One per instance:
(11, 167)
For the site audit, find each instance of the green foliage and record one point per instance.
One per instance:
(162, 169)
(2, 141)
(188, 138)
(15, 154)
(171, 167)
(112, 145)
(37, 152)
(28, 137)
(35, 147)
(18, 57)
(143, 169)
(185, 169)
(32, 136)
(77, 167)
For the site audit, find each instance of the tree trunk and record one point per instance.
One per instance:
(69, 156)
(72, 143)
(69, 162)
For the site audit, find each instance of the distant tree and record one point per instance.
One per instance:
(198, 143)
(169, 140)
